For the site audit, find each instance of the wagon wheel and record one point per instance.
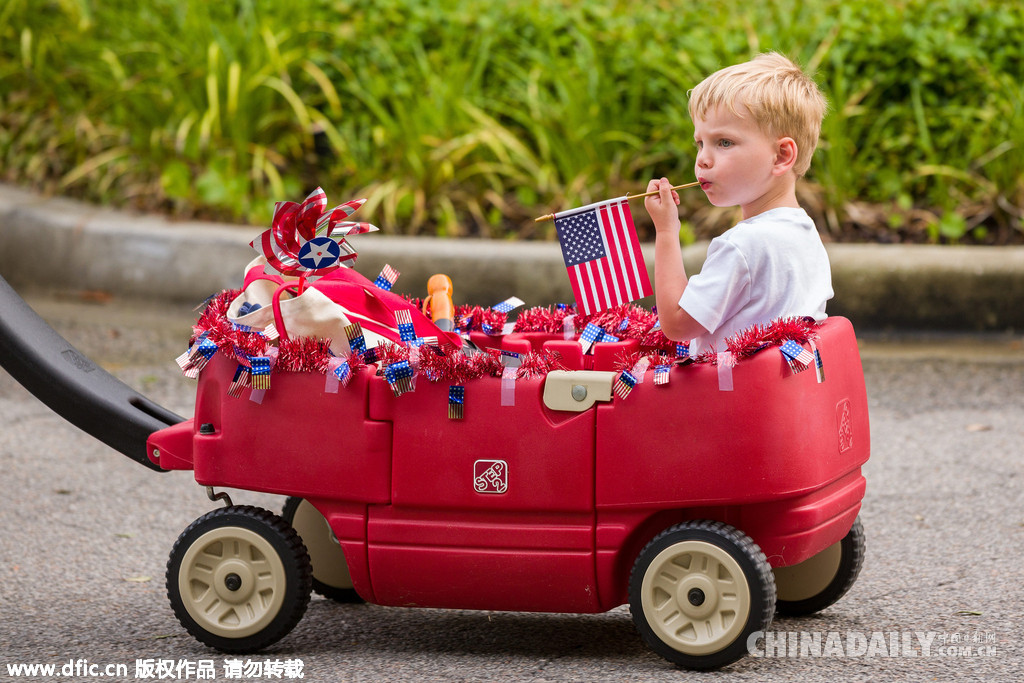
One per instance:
(238, 579)
(330, 570)
(821, 580)
(698, 591)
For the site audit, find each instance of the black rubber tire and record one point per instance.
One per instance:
(343, 594)
(850, 561)
(748, 565)
(256, 530)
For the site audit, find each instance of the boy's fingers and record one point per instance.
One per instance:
(666, 192)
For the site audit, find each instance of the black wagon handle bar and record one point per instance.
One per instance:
(73, 386)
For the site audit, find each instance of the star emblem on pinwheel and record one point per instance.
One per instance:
(307, 239)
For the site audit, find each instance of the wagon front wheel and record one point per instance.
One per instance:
(698, 591)
(238, 579)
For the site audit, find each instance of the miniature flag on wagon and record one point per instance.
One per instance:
(508, 305)
(386, 279)
(240, 381)
(624, 384)
(602, 255)
(399, 376)
(196, 358)
(796, 356)
(406, 332)
(594, 333)
(661, 374)
(260, 372)
(356, 340)
(456, 401)
(819, 366)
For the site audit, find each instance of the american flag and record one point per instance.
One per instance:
(239, 382)
(508, 305)
(399, 376)
(624, 384)
(260, 372)
(796, 355)
(356, 340)
(602, 255)
(661, 374)
(456, 401)
(594, 333)
(405, 329)
(388, 276)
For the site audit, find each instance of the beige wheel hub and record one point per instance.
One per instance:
(232, 582)
(696, 597)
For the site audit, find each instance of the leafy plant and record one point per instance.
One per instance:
(468, 118)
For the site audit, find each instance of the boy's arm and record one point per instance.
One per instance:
(669, 273)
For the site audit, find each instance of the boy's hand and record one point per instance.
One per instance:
(662, 206)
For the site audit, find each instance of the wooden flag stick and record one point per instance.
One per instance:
(551, 216)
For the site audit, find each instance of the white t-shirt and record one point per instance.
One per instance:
(770, 266)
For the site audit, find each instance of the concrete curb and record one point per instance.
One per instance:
(65, 245)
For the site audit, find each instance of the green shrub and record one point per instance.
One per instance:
(470, 117)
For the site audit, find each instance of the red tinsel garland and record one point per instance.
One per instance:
(451, 365)
(751, 340)
(544, 319)
(538, 364)
(389, 353)
(304, 354)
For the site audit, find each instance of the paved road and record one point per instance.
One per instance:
(85, 533)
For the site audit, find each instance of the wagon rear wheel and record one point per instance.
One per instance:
(331, 578)
(238, 579)
(698, 591)
(821, 580)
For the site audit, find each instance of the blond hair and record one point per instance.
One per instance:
(784, 101)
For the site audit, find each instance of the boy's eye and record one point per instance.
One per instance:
(725, 143)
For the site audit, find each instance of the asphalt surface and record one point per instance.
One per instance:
(85, 534)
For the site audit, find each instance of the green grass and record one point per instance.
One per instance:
(470, 117)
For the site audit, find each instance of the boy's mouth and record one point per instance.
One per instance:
(704, 184)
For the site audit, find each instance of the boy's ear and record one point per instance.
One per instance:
(785, 155)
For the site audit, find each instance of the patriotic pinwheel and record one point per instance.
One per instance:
(307, 241)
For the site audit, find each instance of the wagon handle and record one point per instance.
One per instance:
(73, 386)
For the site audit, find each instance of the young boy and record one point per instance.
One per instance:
(756, 125)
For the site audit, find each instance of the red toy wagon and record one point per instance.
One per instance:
(705, 509)
(549, 470)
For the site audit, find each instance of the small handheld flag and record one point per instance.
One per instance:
(602, 255)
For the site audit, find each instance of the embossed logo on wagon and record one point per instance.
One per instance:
(490, 476)
(844, 418)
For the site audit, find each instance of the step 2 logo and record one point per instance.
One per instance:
(490, 476)
(844, 419)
